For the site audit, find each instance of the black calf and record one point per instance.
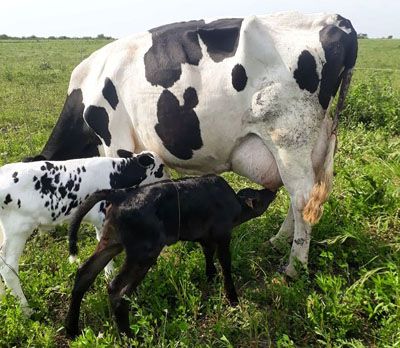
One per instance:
(143, 220)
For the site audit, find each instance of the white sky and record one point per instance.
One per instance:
(118, 18)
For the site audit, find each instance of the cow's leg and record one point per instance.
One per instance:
(209, 250)
(122, 287)
(298, 176)
(286, 231)
(85, 277)
(292, 167)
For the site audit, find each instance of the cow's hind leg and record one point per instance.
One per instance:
(298, 176)
(286, 231)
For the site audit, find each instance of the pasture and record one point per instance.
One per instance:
(350, 296)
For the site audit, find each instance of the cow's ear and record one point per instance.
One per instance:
(145, 160)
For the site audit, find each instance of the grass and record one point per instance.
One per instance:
(350, 296)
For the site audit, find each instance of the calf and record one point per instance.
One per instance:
(144, 220)
(42, 194)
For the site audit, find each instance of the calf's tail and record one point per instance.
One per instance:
(320, 192)
(109, 195)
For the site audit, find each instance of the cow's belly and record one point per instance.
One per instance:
(252, 159)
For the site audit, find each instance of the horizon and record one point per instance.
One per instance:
(44, 18)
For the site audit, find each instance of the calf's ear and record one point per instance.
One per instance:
(145, 160)
(249, 202)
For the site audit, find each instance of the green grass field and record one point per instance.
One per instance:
(350, 296)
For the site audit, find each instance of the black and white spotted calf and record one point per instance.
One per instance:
(244, 94)
(144, 220)
(41, 194)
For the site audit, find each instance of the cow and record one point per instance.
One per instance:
(46, 193)
(249, 95)
(144, 220)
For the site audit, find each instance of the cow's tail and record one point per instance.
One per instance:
(320, 192)
(108, 195)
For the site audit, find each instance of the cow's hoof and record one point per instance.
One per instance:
(27, 311)
(279, 245)
(291, 272)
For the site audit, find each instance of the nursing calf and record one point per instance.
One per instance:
(41, 194)
(142, 221)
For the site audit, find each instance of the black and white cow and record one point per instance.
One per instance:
(248, 95)
(42, 194)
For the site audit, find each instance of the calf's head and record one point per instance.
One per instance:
(253, 203)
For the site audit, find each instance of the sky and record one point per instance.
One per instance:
(118, 18)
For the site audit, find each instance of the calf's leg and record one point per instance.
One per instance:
(224, 257)
(209, 248)
(13, 245)
(85, 277)
(121, 287)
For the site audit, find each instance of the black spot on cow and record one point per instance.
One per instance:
(128, 173)
(145, 160)
(69, 185)
(124, 153)
(37, 185)
(46, 204)
(19, 203)
(221, 37)
(49, 165)
(306, 73)
(57, 178)
(110, 93)
(340, 51)
(63, 191)
(71, 137)
(344, 23)
(159, 172)
(15, 177)
(83, 169)
(178, 126)
(239, 77)
(8, 199)
(178, 43)
(43, 168)
(46, 185)
(97, 118)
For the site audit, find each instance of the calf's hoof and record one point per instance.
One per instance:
(71, 333)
